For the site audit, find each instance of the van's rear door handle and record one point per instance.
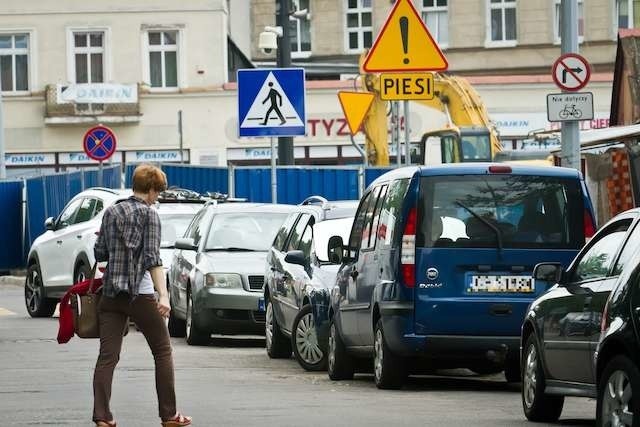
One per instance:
(501, 309)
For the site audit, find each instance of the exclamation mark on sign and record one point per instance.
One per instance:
(404, 32)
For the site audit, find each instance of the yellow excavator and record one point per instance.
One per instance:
(469, 136)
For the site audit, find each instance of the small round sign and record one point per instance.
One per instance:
(99, 143)
(571, 72)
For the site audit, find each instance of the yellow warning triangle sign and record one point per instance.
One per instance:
(355, 106)
(404, 44)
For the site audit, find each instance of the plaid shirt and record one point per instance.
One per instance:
(130, 241)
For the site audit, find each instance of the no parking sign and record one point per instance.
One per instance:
(99, 143)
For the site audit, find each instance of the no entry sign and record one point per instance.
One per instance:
(99, 143)
(571, 72)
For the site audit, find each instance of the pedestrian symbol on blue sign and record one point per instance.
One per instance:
(271, 102)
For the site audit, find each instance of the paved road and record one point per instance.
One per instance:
(231, 383)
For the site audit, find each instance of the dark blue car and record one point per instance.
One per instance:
(437, 272)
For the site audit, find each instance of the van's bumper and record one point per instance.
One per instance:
(397, 319)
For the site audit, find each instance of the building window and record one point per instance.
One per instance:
(359, 26)
(89, 56)
(628, 13)
(14, 62)
(558, 23)
(163, 59)
(435, 15)
(502, 22)
(300, 30)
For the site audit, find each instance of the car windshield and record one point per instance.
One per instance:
(322, 231)
(250, 231)
(522, 211)
(173, 227)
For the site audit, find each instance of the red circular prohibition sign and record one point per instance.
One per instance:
(560, 62)
(99, 143)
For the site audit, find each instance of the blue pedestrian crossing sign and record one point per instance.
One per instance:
(271, 102)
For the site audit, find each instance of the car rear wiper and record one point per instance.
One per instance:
(487, 223)
(230, 249)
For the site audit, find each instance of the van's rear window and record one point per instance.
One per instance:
(526, 211)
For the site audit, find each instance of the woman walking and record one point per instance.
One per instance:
(129, 240)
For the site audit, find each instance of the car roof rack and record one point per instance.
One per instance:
(180, 195)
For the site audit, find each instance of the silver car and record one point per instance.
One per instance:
(217, 272)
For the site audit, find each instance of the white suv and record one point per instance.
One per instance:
(63, 255)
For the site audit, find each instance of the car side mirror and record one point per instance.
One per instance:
(335, 250)
(548, 272)
(50, 223)
(186, 244)
(296, 257)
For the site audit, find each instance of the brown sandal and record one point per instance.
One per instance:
(178, 421)
(102, 423)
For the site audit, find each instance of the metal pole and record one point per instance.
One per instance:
(274, 174)
(100, 170)
(396, 131)
(180, 134)
(3, 167)
(569, 44)
(407, 134)
(285, 143)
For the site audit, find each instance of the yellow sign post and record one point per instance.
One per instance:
(404, 86)
(355, 106)
(404, 44)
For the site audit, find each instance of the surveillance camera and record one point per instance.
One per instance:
(268, 42)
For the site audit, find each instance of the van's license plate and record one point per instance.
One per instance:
(519, 284)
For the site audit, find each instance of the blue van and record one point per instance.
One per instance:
(437, 272)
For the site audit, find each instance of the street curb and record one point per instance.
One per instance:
(11, 281)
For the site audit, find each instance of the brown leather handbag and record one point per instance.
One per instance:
(85, 309)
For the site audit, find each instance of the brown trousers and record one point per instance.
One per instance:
(114, 314)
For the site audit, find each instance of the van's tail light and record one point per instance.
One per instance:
(589, 226)
(408, 250)
(604, 324)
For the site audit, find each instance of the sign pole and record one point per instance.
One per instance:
(180, 134)
(274, 175)
(100, 170)
(3, 167)
(407, 134)
(396, 132)
(569, 44)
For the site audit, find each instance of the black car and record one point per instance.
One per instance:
(298, 278)
(616, 357)
(562, 327)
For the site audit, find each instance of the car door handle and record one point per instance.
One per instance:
(273, 269)
(59, 242)
(79, 236)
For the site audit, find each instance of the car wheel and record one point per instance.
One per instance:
(616, 401)
(304, 340)
(278, 346)
(38, 305)
(389, 370)
(177, 327)
(340, 364)
(537, 405)
(194, 334)
(81, 274)
(512, 371)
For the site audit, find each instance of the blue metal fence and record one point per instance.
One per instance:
(48, 194)
(296, 184)
(11, 253)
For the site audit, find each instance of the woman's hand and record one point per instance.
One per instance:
(163, 305)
